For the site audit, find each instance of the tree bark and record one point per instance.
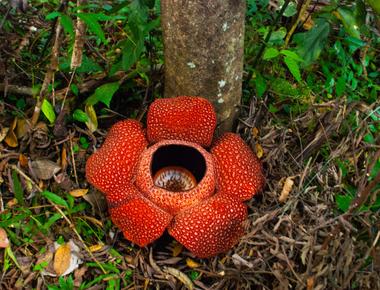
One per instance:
(203, 49)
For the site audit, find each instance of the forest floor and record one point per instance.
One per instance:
(315, 225)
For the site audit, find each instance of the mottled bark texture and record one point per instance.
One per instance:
(203, 46)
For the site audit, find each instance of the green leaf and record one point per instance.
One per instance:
(343, 202)
(293, 67)
(93, 25)
(19, 193)
(291, 54)
(52, 15)
(369, 138)
(311, 43)
(347, 17)
(54, 198)
(340, 86)
(375, 4)
(103, 94)
(48, 110)
(67, 25)
(80, 116)
(270, 52)
(260, 84)
(278, 36)
(291, 10)
(74, 88)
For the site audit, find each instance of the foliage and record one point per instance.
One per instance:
(332, 56)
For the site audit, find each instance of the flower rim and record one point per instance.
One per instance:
(174, 201)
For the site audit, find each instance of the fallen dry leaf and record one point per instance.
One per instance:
(62, 259)
(92, 123)
(23, 160)
(177, 249)
(11, 138)
(44, 169)
(4, 241)
(3, 133)
(259, 151)
(286, 189)
(79, 192)
(96, 248)
(192, 264)
(66, 259)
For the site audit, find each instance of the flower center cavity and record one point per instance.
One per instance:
(175, 178)
(177, 167)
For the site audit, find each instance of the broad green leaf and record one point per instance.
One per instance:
(291, 54)
(48, 110)
(67, 25)
(311, 43)
(293, 67)
(349, 22)
(103, 94)
(343, 202)
(74, 88)
(19, 193)
(340, 86)
(291, 10)
(375, 4)
(93, 25)
(260, 84)
(56, 199)
(52, 15)
(278, 36)
(270, 52)
(80, 116)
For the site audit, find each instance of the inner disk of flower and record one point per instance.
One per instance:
(174, 178)
(177, 167)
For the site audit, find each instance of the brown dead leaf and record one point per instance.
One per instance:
(21, 128)
(92, 123)
(3, 133)
(192, 264)
(11, 138)
(4, 241)
(310, 283)
(11, 203)
(62, 259)
(23, 160)
(255, 132)
(259, 151)
(180, 276)
(286, 189)
(64, 158)
(44, 169)
(79, 192)
(96, 248)
(177, 249)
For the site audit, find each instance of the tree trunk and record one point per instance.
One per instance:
(203, 48)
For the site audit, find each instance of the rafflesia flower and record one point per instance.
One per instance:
(167, 178)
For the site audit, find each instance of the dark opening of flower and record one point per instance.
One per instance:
(177, 167)
(168, 180)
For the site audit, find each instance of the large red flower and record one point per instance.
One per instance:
(168, 179)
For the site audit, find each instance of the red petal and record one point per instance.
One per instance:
(183, 118)
(141, 221)
(238, 169)
(211, 227)
(114, 164)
